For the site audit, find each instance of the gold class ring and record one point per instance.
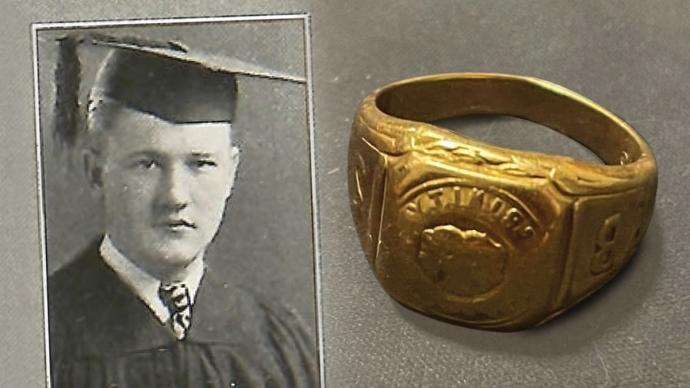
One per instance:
(490, 237)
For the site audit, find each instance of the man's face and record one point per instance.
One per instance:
(164, 187)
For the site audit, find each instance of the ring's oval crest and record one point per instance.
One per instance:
(464, 235)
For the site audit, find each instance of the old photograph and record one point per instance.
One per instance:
(176, 176)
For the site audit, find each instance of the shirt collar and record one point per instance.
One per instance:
(144, 285)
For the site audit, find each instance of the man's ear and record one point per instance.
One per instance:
(232, 171)
(93, 171)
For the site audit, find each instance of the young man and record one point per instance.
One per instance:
(139, 308)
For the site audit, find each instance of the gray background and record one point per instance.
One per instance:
(632, 57)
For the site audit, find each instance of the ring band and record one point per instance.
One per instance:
(490, 237)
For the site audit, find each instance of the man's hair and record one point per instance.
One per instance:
(100, 113)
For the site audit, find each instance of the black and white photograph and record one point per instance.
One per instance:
(176, 175)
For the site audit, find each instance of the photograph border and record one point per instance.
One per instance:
(306, 20)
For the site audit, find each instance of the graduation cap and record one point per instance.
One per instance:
(165, 79)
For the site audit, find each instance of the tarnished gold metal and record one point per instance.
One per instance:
(490, 237)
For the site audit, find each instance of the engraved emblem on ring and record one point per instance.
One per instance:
(449, 253)
(466, 258)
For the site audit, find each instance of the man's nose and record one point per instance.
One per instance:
(176, 193)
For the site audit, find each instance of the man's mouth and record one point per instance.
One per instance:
(178, 224)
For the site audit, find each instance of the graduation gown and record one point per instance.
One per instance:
(102, 335)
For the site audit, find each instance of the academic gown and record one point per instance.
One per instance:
(103, 335)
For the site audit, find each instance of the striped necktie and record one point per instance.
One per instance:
(175, 297)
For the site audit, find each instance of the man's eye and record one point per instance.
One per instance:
(146, 164)
(204, 163)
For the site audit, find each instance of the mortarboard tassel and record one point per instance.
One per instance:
(68, 121)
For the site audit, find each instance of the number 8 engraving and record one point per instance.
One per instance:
(603, 251)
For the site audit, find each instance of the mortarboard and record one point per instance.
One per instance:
(165, 79)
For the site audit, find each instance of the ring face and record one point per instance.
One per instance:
(486, 238)
(467, 237)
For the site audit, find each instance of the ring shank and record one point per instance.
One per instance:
(444, 96)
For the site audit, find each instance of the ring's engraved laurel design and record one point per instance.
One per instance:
(490, 237)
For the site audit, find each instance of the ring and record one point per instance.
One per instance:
(490, 237)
